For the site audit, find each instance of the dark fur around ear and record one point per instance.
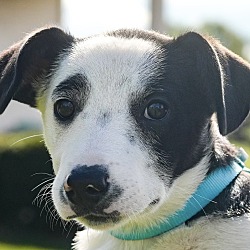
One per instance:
(236, 74)
(204, 67)
(224, 77)
(22, 64)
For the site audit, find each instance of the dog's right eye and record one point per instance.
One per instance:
(64, 109)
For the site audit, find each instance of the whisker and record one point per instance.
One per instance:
(206, 198)
(44, 200)
(71, 227)
(42, 194)
(51, 175)
(42, 183)
(201, 208)
(182, 189)
(26, 138)
(50, 160)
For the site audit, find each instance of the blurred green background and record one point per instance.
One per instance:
(26, 220)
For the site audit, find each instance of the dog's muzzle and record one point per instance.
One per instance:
(86, 186)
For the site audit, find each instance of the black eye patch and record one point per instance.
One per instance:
(74, 88)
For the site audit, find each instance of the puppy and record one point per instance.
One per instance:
(135, 123)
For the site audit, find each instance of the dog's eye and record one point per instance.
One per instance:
(64, 109)
(156, 110)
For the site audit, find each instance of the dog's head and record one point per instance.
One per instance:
(131, 118)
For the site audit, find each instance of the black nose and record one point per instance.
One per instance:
(87, 185)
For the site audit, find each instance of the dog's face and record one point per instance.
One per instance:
(129, 120)
(99, 118)
(110, 112)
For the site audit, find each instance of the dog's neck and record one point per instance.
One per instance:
(213, 184)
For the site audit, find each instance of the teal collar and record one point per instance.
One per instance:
(211, 187)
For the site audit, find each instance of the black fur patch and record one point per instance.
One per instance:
(75, 88)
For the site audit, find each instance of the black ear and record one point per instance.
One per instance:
(27, 62)
(204, 71)
(236, 75)
(223, 76)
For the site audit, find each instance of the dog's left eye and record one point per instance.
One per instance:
(156, 110)
(64, 109)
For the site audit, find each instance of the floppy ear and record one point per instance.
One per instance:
(26, 62)
(236, 74)
(223, 76)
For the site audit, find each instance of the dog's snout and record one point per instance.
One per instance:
(87, 185)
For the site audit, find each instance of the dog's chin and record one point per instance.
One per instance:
(99, 221)
(110, 221)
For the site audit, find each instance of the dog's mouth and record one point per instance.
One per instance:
(100, 218)
(95, 219)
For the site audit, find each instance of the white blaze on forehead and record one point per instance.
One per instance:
(112, 56)
(113, 65)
